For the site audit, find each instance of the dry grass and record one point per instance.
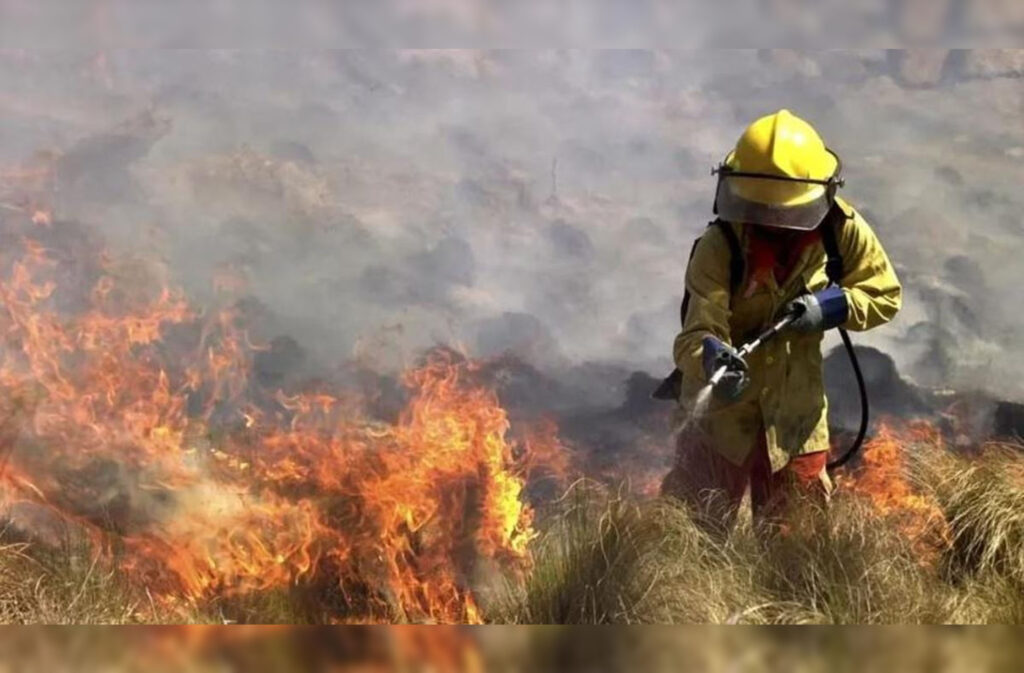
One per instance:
(609, 559)
(59, 587)
(70, 585)
(606, 557)
(983, 499)
(845, 566)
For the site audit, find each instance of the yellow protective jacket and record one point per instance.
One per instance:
(786, 395)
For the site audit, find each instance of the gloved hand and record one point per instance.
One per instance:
(717, 354)
(820, 311)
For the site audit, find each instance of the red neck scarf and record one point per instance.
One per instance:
(774, 252)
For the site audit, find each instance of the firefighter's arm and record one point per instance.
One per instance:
(873, 291)
(707, 281)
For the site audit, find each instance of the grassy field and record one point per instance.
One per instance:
(938, 540)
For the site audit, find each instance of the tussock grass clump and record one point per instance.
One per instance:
(983, 501)
(70, 584)
(606, 558)
(61, 586)
(844, 566)
(982, 498)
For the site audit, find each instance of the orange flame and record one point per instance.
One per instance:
(882, 478)
(202, 488)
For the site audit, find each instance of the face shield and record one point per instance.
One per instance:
(775, 200)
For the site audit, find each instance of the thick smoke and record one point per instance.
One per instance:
(371, 203)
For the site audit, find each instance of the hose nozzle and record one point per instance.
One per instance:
(716, 378)
(737, 360)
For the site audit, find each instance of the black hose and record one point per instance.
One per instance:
(864, 411)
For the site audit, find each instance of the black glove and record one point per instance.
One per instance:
(717, 354)
(820, 311)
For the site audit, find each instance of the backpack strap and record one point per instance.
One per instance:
(671, 387)
(737, 262)
(685, 306)
(830, 227)
(834, 221)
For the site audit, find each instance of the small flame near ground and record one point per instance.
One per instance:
(134, 418)
(882, 477)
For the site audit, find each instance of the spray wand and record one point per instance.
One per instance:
(781, 324)
(751, 346)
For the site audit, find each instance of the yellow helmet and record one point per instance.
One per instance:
(781, 174)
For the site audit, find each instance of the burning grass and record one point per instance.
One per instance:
(131, 423)
(605, 556)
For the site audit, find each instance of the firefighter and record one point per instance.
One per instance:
(765, 427)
